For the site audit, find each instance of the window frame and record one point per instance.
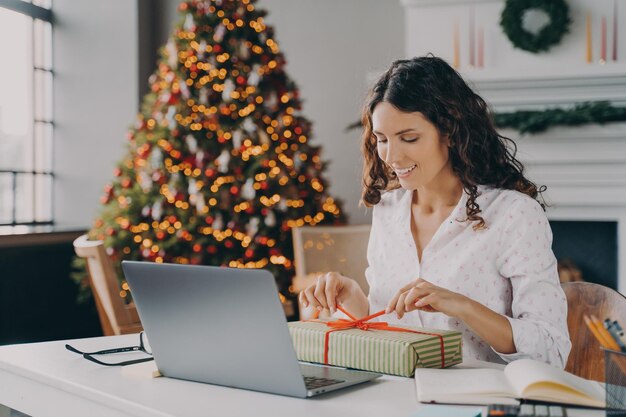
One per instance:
(43, 14)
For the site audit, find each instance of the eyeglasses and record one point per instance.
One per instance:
(90, 355)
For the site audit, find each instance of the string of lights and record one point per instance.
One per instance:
(219, 166)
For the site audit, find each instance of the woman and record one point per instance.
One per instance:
(459, 240)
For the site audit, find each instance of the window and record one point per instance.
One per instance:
(26, 117)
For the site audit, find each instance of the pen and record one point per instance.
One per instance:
(619, 331)
(613, 332)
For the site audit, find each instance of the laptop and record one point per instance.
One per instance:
(225, 326)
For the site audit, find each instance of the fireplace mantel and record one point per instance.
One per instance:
(584, 169)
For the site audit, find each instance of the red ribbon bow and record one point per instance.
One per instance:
(364, 324)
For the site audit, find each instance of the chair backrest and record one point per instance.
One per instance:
(116, 317)
(332, 248)
(586, 358)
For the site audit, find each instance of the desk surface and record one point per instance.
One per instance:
(44, 379)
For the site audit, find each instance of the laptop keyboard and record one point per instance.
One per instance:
(313, 382)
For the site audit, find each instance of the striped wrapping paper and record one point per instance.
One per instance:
(384, 351)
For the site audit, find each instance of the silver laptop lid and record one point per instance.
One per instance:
(216, 325)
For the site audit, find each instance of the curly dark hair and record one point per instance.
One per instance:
(478, 154)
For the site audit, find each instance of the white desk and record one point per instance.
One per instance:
(44, 379)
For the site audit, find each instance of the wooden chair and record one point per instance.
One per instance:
(116, 317)
(319, 249)
(587, 358)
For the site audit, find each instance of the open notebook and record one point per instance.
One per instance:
(521, 379)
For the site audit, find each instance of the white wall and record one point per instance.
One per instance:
(330, 47)
(95, 66)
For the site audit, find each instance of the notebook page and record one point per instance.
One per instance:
(439, 384)
(526, 376)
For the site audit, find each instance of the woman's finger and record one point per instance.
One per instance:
(330, 291)
(391, 306)
(425, 303)
(308, 297)
(411, 298)
(320, 292)
(400, 305)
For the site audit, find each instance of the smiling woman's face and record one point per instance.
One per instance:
(411, 145)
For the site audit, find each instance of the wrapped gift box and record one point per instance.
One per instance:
(385, 351)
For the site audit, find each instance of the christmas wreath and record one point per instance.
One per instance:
(549, 35)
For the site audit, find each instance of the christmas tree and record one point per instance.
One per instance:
(219, 165)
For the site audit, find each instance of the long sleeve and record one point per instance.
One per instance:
(539, 308)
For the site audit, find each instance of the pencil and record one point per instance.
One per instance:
(611, 344)
(595, 332)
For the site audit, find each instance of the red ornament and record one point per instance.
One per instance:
(274, 252)
(212, 249)
(209, 172)
(264, 185)
(249, 253)
(197, 248)
(250, 210)
(241, 80)
(208, 219)
(217, 49)
(228, 244)
(126, 183)
(173, 99)
(264, 212)
(191, 160)
(234, 190)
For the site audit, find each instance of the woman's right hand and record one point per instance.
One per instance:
(329, 291)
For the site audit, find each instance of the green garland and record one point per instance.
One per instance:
(535, 121)
(551, 34)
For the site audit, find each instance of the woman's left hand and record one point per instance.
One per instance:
(422, 295)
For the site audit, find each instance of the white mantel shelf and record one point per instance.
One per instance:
(532, 88)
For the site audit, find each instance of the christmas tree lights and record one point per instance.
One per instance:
(219, 165)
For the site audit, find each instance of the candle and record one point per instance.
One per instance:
(614, 30)
(455, 46)
(588, 37)
(481, 47)
(603, 41)
(471, 37)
